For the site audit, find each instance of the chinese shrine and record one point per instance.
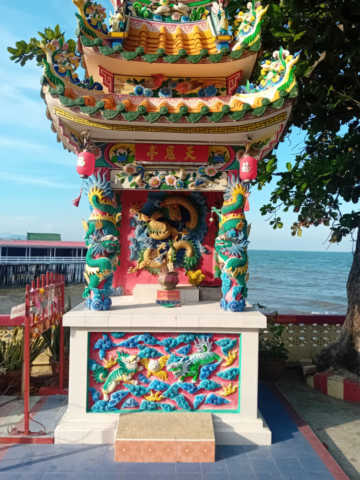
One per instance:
(168, 130)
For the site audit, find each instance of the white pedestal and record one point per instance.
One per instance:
(147, 293)
(245, 427)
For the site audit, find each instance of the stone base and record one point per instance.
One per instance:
(101, 429)
(147, 293)
(245, 427)
(165, 437)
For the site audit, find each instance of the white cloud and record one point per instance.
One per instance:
(24, 178)
(37, 151)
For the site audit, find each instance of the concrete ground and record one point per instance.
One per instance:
(292, 456)
(335, 422)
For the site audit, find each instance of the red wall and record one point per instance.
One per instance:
(127, 281)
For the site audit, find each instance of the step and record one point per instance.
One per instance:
(165, 437)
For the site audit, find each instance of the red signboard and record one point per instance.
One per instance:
(168, 295)
(157, 153)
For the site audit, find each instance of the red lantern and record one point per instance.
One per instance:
(86, 164)
(248, 169)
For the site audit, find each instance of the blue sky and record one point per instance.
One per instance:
(39, 179)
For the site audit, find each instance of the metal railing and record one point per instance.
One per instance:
(37, 260)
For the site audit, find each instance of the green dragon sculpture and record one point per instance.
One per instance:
(231, 258)
(190, 366)
(102, 241)
(128, 366)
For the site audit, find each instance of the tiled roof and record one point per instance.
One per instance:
(192, 42)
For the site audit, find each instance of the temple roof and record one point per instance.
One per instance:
(186, 32)
(191, 37)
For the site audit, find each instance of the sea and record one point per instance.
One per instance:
(299, 282)
(283, 281)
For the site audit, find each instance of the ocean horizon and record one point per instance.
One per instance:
(296, 282)
(286, 281)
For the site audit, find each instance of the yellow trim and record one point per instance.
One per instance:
(224, 38)
(128, 127)
(118, 34)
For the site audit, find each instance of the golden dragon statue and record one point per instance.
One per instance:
(153, 259)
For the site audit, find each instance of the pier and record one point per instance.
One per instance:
(22, 261)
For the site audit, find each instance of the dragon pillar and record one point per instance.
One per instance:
(231, 257)
(102, 241)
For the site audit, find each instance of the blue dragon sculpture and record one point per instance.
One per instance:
(102, 241)
(231, 258)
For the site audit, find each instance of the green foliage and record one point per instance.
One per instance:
(11, 351)
(273, 346)
(52, 341)
(326, 35)
(24, 52)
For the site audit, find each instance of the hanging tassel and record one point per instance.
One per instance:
(77, 200)
(247, 204)
(211, 220)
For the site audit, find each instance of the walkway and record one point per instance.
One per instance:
(291, 457)
(335, 422)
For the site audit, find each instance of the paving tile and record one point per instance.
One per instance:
(305, 450)
(295, 476)
(137, 467)
(10, 465)
(61, 464)
(216, 476)
(320, 476)
(18, 451)
(279, 450)
(264, 465)
(36, 464)
(109, 451)
(255, 451)
(9, 476)
(162, 468)
(38, 450)
(189, 476)
(240, 464)
(219, 454)
(188, 468)
(268, 476)
(100, 476)
(83, 476)
(289, 465)
(54, 476)
(88, 465)
(313, 465)
(215, 467)
(233, 451)
(135, 476)
(162, 476)
(242, 476)
(109, 466)
(29, 476)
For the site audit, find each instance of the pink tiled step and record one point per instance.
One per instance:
(165, 437)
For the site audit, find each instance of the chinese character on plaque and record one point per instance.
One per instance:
(152, 152)
(170, 154)
(189, 153)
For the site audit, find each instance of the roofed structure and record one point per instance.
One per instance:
(50, 237)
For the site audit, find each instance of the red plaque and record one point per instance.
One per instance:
(149, 153)
(168, 297)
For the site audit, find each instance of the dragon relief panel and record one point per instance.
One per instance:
(160, 371)
(168, 227)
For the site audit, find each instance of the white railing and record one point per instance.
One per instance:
(36, 260)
